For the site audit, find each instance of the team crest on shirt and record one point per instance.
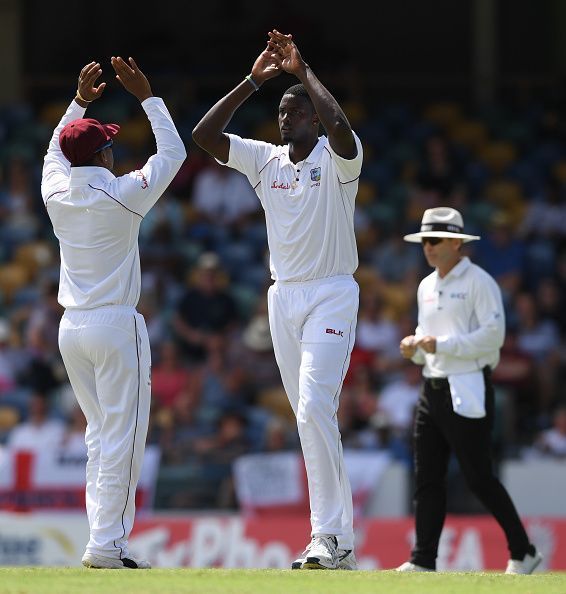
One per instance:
(315, 174)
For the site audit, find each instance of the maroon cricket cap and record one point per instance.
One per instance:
(81, 139)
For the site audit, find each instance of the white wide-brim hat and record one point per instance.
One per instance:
(441, 222)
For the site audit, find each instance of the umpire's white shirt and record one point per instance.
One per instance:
(309, 206)
(464, 311)
(96, 216)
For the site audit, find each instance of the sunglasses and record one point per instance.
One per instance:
(432, 240)
(105, 146)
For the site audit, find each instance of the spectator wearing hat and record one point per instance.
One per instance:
(103, 339)
(461, 328)
(255, 353)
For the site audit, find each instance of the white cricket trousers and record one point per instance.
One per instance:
(313, 326)
(107, 357)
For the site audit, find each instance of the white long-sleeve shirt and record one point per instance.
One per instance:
(464, 311)
(96, 216)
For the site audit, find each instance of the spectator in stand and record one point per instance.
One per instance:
(169, 377)
(397, 400)
(508, 267)
(539, 338)
(21, 223)
(45, 370)
(376, 331)
(40, 430)
(280, 436)
(252, 352)
(73, 440)
(179, 427)
(438, 171)
(218, 451)
(10, 359)
(552, 442)
(206, 312)
(546, 217)
(396, 261)
(549, 298)
(223, 196)
(516, 374)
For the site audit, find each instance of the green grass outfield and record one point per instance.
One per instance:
(31, 580)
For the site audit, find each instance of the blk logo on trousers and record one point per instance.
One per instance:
(332, 331)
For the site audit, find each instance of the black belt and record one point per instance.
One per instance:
(437, 383)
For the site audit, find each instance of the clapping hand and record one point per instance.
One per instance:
(86, 91)
(289, 55)
(132, 78)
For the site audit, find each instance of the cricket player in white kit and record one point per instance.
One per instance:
(103, 340)
(307, 188)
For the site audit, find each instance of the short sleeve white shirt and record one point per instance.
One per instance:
(309, 206)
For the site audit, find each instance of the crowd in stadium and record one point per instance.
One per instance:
(217, 392)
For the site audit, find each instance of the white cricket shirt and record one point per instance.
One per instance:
(464, 311)
(309, 206)
(96, 216)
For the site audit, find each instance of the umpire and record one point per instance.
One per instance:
(461, 327)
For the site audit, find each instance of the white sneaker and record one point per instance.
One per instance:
(93, 561)
(408, 566)
(323, 553)
(526, 566)
(347, 560)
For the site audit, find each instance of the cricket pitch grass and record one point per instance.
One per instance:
(45, 580)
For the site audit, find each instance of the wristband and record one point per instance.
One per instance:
(79, 96)
(252, 82)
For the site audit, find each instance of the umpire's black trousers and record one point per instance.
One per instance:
(438, 431)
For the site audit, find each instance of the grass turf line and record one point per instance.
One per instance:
(31, 580)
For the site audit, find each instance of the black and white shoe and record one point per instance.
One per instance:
(323, 553)
(93, 561)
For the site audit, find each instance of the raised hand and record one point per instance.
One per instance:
(283, 45)
(86, 91)
(267, 64)
(132, 78)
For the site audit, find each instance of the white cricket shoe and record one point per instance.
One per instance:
(346, 558)
(93, 561)
(408, 566)
(524, 567)
(323, 553)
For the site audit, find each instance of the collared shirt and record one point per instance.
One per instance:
(464, 311)
(96, 216)
(309, 206)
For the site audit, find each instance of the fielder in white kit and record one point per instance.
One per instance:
(307, 188)
(103, 340)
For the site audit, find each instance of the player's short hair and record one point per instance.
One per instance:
(299, 91)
